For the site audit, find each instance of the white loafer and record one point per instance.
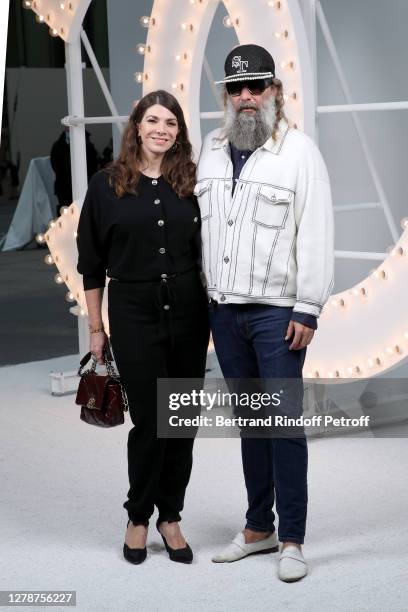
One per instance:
(291, 566)
(238, 549)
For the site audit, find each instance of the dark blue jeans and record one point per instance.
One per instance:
(249, 340)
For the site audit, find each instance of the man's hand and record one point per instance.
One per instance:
(302, 335)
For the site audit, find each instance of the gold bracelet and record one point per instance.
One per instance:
(95, 331)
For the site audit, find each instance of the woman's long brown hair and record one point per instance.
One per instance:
(177, 166)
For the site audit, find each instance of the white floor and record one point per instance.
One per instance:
(62, 527)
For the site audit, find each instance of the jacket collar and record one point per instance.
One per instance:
(270, 145)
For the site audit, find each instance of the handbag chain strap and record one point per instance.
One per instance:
(112, 373)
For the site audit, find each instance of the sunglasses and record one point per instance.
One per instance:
(255, 87)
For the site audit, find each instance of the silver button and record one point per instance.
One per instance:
(164, 275)
(162, 250)
(154, 182)
(157, 202)
(230, 222)
(160, 222)
(226, 259)
(166, 307)
(195, 219)
(223, 298)
(242, 156)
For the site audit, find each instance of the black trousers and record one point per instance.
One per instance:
(150, 342)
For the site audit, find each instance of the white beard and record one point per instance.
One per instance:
(249, 132)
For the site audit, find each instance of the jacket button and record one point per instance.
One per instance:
(226, 259)
(195, 219)
(154, 182)
(230, 222)
(164, 275)
(223, 298)
(160, 222)
(166, 307)
(157, 201)
(162, 251)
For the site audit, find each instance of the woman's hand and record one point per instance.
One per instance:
(96, 344)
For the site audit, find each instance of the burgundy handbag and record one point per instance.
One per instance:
(102, 397)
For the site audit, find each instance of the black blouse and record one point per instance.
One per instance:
(136, 237)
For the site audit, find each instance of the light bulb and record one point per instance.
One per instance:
(180, 57)
(142, 49)
(64, 210)
(26, 4)
(62, 6)
(40, 238)
(82, 312)
(40, 18)
(229, 23)
(404, 222)
(274, 4)
(290, 65)
(58, 279)
(179, 86)
(69, 296)
(379, 274)
(283, 34)
(48, 259)
(186, 26)
(397, 251)
(53, 32)
(51, 223)
(144, 21)
(139, 77)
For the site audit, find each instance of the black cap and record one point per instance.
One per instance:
(248, 62)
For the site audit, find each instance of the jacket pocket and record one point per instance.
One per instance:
(272, 207)
(202, 191)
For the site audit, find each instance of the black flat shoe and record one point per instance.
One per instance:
(134, 555)
(180, 555)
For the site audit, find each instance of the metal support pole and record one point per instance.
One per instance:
(75, 92)
(79, 173)
(309, 17)
(100, 77)
(364, 145)
(353, 207)
(372, 106)
(360, 255)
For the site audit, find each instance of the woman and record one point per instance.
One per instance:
(140, 222)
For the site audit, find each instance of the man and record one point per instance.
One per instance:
(267, 232)
(60, 158)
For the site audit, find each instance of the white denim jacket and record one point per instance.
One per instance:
(272, 241)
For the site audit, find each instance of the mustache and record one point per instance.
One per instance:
(247, 105)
